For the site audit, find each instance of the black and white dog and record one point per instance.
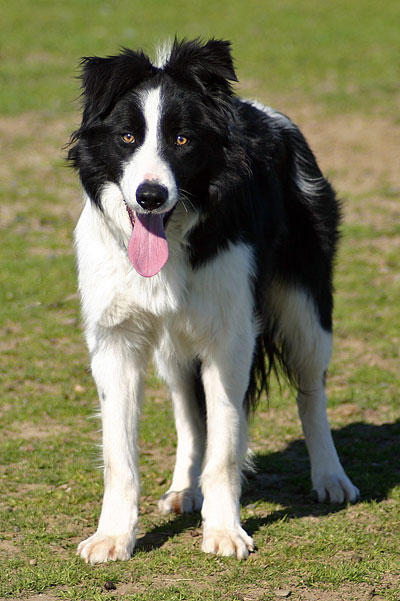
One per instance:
(206, 241)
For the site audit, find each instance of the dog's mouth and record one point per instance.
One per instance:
(148, 246)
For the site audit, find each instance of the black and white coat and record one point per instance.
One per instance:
(240, 279)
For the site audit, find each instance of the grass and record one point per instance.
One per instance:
(339, 52)
(311, 58)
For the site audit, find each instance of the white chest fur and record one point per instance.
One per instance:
(195, 307)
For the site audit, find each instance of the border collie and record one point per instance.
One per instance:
(206, 243)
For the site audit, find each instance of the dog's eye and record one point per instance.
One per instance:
(129, 138)
(181, 140)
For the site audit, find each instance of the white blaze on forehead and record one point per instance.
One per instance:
(147, 163)
(152, 117)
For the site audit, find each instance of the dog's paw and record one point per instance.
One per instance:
(183, 501)
(334, 488)
(100, 548)
(229, 543)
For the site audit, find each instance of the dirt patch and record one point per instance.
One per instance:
(43, 167)
(196, 584)
(8, 548)
(355, 350)
(359, 156)
(157, 583)
(348, 592)
(359, 151)
(47, 138)
(31, 431)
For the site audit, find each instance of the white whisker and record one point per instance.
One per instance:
(184, 196)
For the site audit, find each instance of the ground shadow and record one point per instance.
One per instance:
(369, 453)
(155, 538)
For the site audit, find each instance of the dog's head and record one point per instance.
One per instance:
(158, 131)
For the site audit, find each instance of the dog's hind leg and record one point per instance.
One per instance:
(184, 494)
(306, 347)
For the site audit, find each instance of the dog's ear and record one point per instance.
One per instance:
(210, 65)
(106, 80)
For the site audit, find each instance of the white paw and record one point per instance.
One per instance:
(183, 501)
(229, 543)
(100, 548)
(334, 488)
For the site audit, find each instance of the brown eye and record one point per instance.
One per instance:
(128, 138)
(181, 140)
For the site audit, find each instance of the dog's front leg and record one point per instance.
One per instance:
(118, 376)
(225, 378)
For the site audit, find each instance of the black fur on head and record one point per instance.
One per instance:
(205, 69)
(106, 80)
(208, 69)
(210, 65)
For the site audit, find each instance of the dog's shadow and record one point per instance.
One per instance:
(369, 454)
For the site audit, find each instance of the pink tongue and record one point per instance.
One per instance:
(148, 246)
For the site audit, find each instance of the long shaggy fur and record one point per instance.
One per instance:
(208, 238)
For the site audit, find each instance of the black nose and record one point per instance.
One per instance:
(151, 195)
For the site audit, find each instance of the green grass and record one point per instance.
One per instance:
(339, 52)
(317, 58)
